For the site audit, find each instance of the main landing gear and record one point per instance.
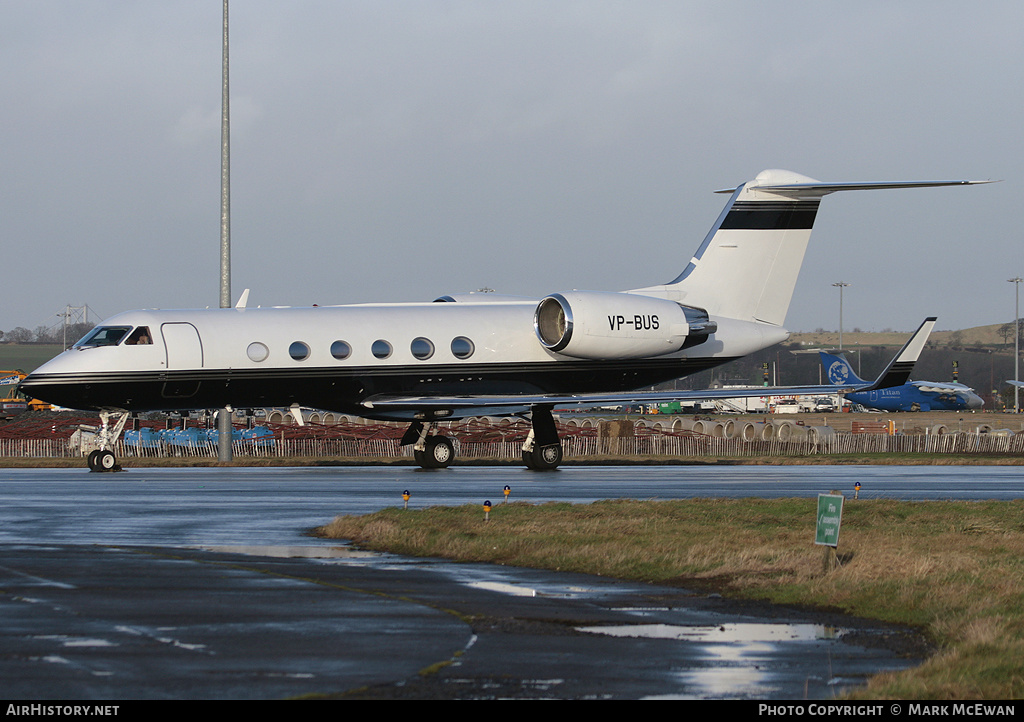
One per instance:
(430, 451)
(542, 450)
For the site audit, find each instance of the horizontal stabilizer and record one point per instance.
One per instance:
(823, 189)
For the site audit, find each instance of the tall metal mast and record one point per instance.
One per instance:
(224, 417)
(225, 174)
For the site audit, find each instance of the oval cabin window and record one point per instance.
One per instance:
(257, 352)
(462, 347)
(422, 348)
(340, 350)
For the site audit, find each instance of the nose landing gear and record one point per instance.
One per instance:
(103, 459)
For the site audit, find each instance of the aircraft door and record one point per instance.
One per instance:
(184, 351)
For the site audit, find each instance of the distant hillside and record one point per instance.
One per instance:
(977, 336)
(26, 356)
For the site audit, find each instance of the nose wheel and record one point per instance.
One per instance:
(103, 460)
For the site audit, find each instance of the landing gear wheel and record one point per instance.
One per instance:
(438, 453)
(543, 458)
(106, 461)
(102, 460)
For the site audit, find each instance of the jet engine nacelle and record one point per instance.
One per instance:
(596, 325)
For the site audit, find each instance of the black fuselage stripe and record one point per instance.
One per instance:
(342, 389)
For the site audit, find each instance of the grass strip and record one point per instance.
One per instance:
(955, 569)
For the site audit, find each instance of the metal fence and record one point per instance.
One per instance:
(574, 446)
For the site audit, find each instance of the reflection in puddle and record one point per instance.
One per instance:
(731, 659)
(68, 641)
(294, 552)
(513, 589)
(746, 633)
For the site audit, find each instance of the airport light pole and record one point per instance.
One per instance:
(225, 173)
(1016, 341)
(224, 426)
(841, 285)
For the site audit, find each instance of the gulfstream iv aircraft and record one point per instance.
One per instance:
(470, 354)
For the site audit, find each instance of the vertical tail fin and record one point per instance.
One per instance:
(748, 264)
(897, 373)
(839, 371)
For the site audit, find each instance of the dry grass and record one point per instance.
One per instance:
(956, 569)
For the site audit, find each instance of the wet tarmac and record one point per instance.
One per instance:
(202, 585)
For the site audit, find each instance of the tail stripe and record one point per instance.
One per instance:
(771, 216)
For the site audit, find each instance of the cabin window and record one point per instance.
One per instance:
(422, 348)
(105, 336)
(462, 347)
(140, 337)
(381, 348)
(340, 350)
(298, 351)
(257, 351)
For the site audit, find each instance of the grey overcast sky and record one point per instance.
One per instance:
(397, 151)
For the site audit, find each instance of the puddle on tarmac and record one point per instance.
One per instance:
(293, 552)
(512, 589)
(740, 659)
(738, 632)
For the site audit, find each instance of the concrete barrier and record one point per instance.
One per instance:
(817, 434)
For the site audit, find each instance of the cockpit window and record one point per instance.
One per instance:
(105, 336)
(140, 337)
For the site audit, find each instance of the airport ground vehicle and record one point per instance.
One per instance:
(12, 400)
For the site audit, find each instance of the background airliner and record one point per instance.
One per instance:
(912, 396)
(470, 354)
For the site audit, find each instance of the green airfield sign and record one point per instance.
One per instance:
(830, 514)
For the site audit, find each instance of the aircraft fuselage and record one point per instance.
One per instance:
(911, 398)
(334, 357)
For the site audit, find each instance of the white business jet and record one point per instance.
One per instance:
(471, 354)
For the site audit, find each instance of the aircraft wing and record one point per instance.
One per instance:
(895, 374)
(941, 388)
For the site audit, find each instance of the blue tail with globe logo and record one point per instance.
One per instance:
(838, 370)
